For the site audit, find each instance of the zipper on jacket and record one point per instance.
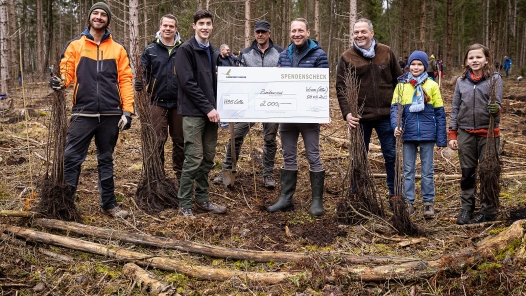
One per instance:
(417, 127)
(98, 95)
(474, 103)
(374, 87)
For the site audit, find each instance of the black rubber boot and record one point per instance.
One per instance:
(316, 183)
(288, 187)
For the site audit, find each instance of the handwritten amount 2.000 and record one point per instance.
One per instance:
(270, 104)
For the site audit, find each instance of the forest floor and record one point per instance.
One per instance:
(26, 270)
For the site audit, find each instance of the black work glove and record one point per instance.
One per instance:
(125, 122)
(56, 83)
(493, 108)
(138, 85)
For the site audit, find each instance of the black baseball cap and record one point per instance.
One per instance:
(262, 25)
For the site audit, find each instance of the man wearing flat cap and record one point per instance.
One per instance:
(262, 53)
(102, 101)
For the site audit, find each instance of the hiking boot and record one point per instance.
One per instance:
(269, 182)
(410, 209)
(429, 210)
(464, 217)
(482, 218)
(186, 213)
(219, 179)
(208, 206)
(116, 212)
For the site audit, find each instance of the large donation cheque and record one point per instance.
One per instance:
(264, 94)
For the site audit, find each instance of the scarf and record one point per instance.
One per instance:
(475, 78)
(418, 96)
(368, 53)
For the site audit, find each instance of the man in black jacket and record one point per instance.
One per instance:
(195, 63)
(262, 53)
(158, 62)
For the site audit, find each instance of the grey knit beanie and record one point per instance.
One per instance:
(103, 6)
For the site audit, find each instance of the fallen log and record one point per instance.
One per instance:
(147, 282)
(202, 249)
(23, 214)
(458, 260)
(196, 271)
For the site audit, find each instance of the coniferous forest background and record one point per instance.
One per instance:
(34, 31)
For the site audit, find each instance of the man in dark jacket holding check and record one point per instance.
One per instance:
(195, 63)
(302, 53)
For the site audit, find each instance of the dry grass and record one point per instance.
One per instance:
(246, 227)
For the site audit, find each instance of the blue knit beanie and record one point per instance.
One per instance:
(418, 55)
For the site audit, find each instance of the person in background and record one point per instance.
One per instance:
(423, 124)
(225, 58)
(469, 124)
(196, 63)
(433, 68)
(102, 102)
(303, 52)
(377, 68)
(158, 64)
(507, 65)
(401, 63)
(261, 53)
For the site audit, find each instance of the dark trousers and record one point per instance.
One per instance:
(387, 142)
(241, 129)
(471, 149)
(200, 139)
(164, 121)
(80, 132)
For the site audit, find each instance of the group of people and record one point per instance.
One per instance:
(181, 79)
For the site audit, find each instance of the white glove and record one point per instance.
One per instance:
(125, 122)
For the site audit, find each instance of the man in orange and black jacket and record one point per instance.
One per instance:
(102, 101)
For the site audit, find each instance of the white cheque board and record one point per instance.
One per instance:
(264, 94)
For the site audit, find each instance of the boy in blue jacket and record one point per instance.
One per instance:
(423, 124)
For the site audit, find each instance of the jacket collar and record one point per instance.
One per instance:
(88, 35)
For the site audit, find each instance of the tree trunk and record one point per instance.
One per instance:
(247, 23)
(145, 16)
(352, 19)
(432, 48)
(134, 31)
(423, 25)
(284, 23)
(40, 42)
(200, 272)
(191, 247)
(317, 35)
(4, 55)
(13, 44)
(48, 50)
(449, 36)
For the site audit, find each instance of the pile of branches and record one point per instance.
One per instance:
(360, 196)
(490, 169)
(401, 220)
(56, 198)
(155, 191)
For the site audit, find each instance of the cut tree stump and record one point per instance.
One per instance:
(196, 271)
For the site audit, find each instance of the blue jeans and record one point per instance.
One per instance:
(387, 142)
(426, 160)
